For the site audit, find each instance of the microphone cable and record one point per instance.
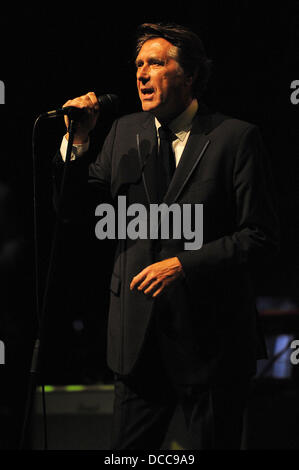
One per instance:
(35, 354)
(36, 270)
(110, 103)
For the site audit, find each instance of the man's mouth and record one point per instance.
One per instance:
(147, 93)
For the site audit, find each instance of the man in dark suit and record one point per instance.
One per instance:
(182, 323)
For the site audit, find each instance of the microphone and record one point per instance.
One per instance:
(108, 103)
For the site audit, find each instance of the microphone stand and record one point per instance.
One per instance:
(42, 317)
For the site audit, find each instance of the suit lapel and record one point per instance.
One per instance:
(146, 141)
(192, 154)
(147, 144)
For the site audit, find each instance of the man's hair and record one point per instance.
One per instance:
(191, 53)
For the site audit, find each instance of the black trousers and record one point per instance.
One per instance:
(146, 401)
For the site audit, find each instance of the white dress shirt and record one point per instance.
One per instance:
(181, 127)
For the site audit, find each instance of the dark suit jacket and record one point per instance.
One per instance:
(208, 331)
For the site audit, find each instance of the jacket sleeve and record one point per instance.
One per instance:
(256, 234)
(87, 180)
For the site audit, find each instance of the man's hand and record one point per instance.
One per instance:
(156, 277)
(90, 104)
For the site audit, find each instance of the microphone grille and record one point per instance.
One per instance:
(109, 102)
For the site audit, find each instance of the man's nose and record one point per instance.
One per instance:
(143, 74)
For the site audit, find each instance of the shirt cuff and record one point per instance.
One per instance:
(77, 149)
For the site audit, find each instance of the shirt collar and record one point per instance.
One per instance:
(181, 125)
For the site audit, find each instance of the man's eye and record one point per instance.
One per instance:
(150, 62)
(157, 62)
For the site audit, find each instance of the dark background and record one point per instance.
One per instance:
(48, 57)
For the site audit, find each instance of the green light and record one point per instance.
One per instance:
(48, 388)
(77, 388)
(74, 388)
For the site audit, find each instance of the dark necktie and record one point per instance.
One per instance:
(166, 160)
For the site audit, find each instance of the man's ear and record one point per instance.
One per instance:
(190, 79)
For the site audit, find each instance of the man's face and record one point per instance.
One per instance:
(163, 87)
